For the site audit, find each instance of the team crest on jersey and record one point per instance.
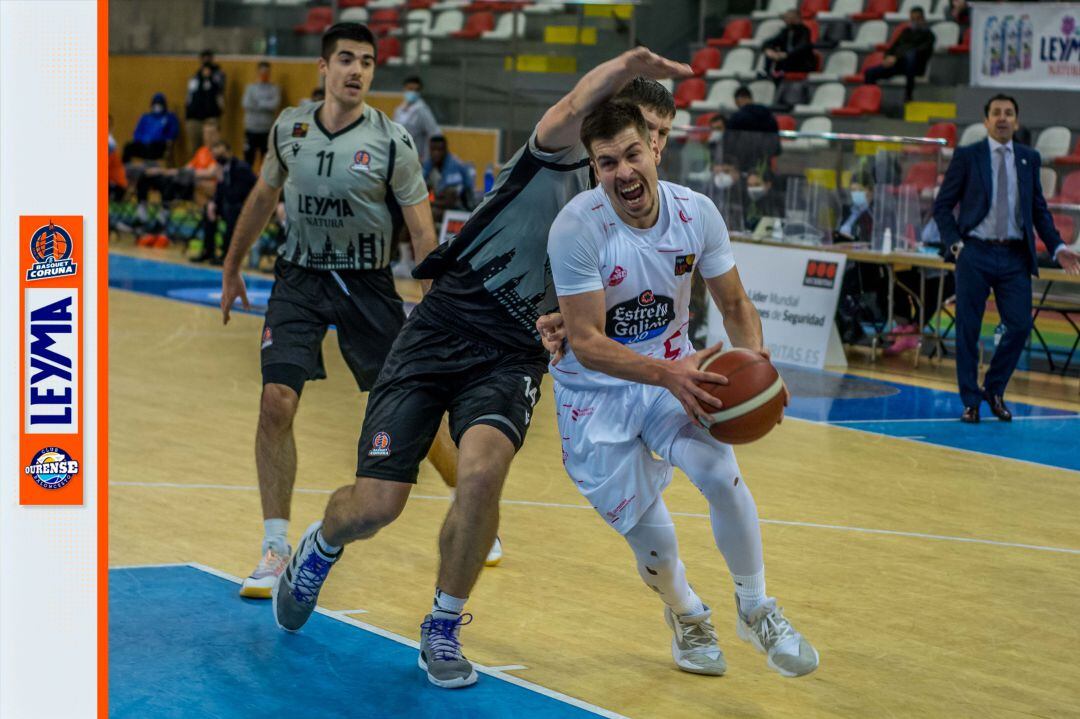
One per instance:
(299, 129)
(50, 246)
(640, 319)
(380, 445)
(616, 277)
(267, 338)
(684, 264)
(361, 161)
(52, 468)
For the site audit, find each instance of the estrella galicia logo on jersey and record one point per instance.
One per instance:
(299, 129)
(52, 468)
(820, 274)
(684, 264)
(380, 445)
(361, 161)
(50, 246)
(641, 318)
(616, 277)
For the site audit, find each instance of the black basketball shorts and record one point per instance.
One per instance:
(432, 370)
(363, 305)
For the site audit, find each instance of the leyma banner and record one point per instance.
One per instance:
(1025, 45)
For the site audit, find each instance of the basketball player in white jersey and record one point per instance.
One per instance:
(622, 255)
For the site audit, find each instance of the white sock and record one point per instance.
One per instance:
(446, 605)
(329, 550)
(750, 589)
(275, 535)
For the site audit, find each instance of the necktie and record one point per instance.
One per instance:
(1001, 198)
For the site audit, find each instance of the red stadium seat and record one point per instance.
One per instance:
(864, 100)
(383, 21)
(810, 8)
(735, 30)
(892, 38)
(922, 175)
(815, 29)
(420, 4)
(941, 130)
(1072, 159)
(875, 10)
(707, 58)
(351, 3)
(688, 90)
(785, 122)
(964, 46)
(388, 47)
(874, 58)
(476, 25)
(704, 120)
(494, 6)
(316, 22)
(1070, 189)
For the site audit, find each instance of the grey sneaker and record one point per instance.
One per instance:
(297, 588)
(772, 634)
(693, 646)
(440, 653)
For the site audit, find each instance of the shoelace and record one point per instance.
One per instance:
(309, 578)
(774, 629)
(699, 636)
(442, 637)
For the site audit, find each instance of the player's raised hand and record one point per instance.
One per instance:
(232, 287)
(642, 61)
(684, 380)
(552, 331)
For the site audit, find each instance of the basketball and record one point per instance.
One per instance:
(753, 398)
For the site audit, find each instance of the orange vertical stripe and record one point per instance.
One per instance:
(103, 358)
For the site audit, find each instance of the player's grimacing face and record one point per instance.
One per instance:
(349, 71)
(659, 128)
(626, 167)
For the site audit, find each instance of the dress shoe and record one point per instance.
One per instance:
(970, 415)
(997, 406)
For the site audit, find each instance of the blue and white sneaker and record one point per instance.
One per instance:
(297, 589)
(440, 652)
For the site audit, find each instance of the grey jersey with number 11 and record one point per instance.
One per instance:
(342, 190)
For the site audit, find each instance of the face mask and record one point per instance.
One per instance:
(411, 96)
(858, 198)
(716, 136)
(723, 181)
(158, 109)
(756, 193)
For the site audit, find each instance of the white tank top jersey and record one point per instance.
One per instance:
(645, 274)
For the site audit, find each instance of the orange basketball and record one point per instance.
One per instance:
(753, 398)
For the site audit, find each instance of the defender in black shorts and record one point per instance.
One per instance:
(471, 349)
(349, 176)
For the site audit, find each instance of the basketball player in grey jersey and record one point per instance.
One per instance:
(349, 176)
(470, 349)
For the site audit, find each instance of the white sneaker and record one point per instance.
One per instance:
(694, 645)
(772, 634)
(495, 555)
(260, 583)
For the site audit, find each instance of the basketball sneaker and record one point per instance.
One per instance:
(297, 588)
(495, 554)
(772, 634)
(260, 583)
(440, 652)
(694, 646)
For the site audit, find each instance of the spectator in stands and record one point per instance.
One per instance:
(996, 184)
(262, 99)
(117, 175)
(179, 183)
(717, 128)
(205, 97)
(416, 117)
(761, 201)
(236, 181)
(959, 12)
(155, 132)
(790, 50)
(908, 54)
(449, 181)
(751, 137)
(858, 224)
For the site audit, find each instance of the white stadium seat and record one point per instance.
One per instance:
(826, 97)
(764, 31)
(972, 133)
(839, 64)
(870, 34)
(776, 9)
(446, 23)
(721, 97)
(737, 61)
(1053, 142)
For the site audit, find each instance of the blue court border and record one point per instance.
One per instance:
(184, 645)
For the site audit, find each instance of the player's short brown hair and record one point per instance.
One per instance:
(611, 118)
(646, 92)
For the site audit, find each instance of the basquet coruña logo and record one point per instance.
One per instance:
(820, 274)
(52, 468)
(380, 445)
(50, 246)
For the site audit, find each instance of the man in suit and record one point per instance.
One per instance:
(996, 183)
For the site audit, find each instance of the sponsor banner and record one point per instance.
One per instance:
(452, 222)
(796, 292)
(51, 367)
(1025, 45)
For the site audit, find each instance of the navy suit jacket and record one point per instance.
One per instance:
(968, 183)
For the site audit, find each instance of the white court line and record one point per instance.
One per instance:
(495, 672)
(509, 668)
(352, 611)
(932, 419)
(780, 522)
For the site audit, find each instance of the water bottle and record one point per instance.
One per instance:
(778, 231)
(1026, 33)
(271, 44)
(886, 241)
(998, 332)
(489, 179)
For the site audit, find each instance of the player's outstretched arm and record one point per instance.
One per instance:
(560, 126)
(258, 208)
(422, 232)
(741, 318)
